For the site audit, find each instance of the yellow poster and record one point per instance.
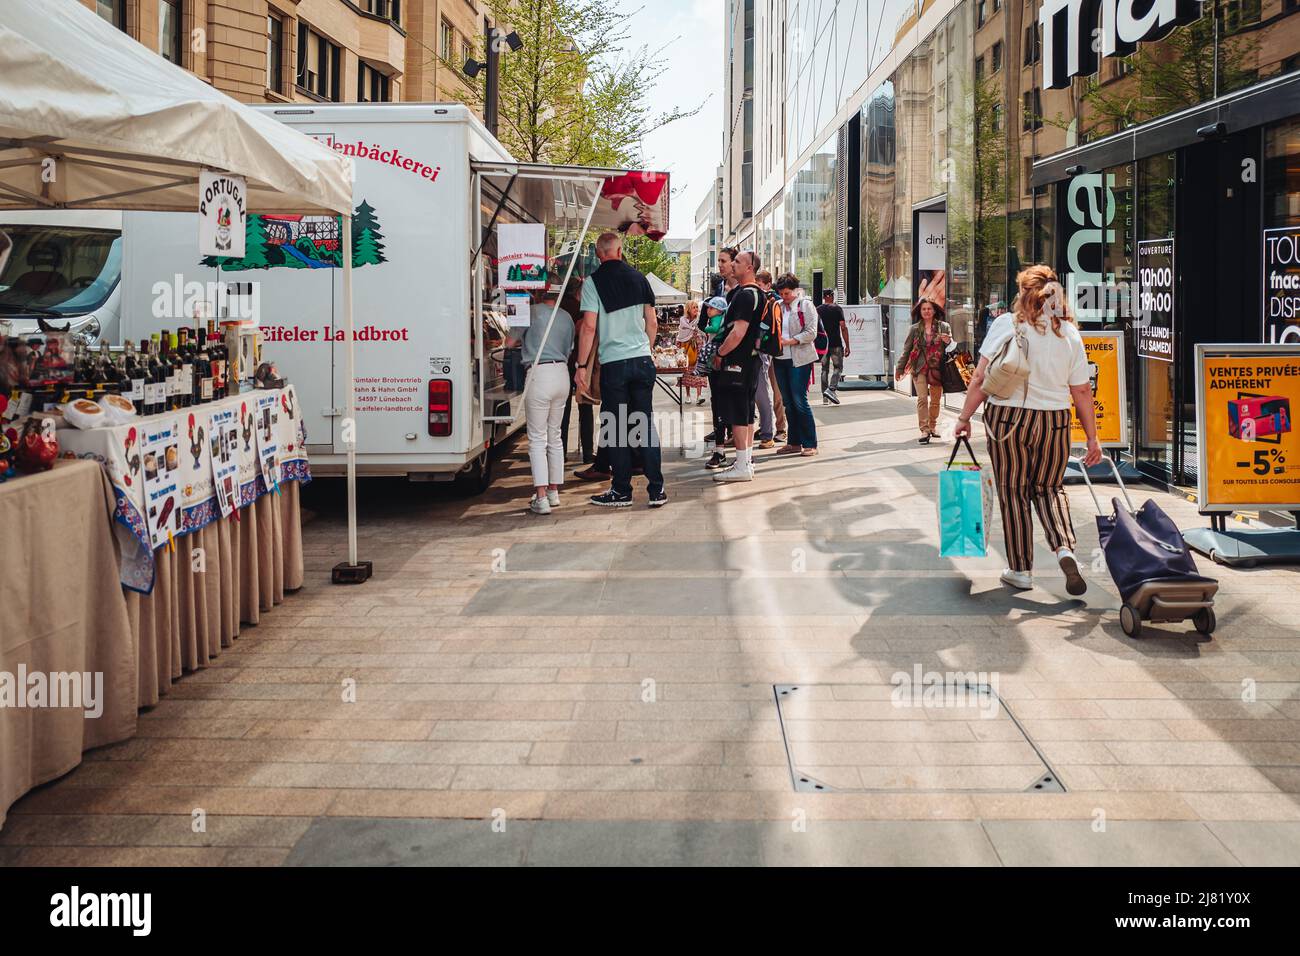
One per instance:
(1250, 450)
(1106, 375)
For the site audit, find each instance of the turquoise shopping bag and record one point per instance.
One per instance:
(965, 504)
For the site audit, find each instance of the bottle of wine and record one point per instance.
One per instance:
(134, 376)
(202, 372)
(216, 351)
(156, 389)
(186, 360)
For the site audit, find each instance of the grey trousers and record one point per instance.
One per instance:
(763, 398)
(832, 369)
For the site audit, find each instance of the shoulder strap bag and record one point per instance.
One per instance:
(591, 394)
(1008, 370)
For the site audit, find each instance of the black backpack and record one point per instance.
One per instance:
(769, 327)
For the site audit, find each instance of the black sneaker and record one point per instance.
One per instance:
(719, 460)
(711, 436)
(923, 440)
(612, 499)
(658, 498)
(832, 398)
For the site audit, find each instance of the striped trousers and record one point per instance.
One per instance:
(1029, 448)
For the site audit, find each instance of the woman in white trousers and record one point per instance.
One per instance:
(546, 393)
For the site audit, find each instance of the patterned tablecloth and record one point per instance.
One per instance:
(161, 468)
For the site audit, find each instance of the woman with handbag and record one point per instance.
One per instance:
(923, 357)
(1032, 368)
(688, 338)
(794, 366)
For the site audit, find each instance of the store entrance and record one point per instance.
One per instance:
(1218, 261)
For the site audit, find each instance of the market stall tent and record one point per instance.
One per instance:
(91, 119)
(664, 293)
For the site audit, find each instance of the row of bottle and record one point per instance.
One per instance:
(169, 371)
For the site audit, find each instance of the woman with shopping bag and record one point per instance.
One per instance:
(1032, 368)
(923, 357)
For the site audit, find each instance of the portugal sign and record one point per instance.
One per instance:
(1246, 399)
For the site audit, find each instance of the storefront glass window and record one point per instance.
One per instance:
(1282, 174)
(810, 218)
(1152, 380)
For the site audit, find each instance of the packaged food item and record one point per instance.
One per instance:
(119, 410)
(84, 413)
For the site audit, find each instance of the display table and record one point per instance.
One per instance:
(62, 613)
(192, 575)
(662, 375)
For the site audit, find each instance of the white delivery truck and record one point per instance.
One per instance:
(432, 189)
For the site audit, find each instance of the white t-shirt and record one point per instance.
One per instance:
(1056, 362)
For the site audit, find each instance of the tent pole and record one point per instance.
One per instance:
(353, 571)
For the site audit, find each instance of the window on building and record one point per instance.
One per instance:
(169, 30)
(1033, 44)
(996, 57)
(979, 69)
(981, 12)
(446, 40)
(275, 53)
(997, 5)
(319, 63)
(114, 11)
(388, 9)
(1238, 14)
(1032, 109)
(372, 85)
(464, 50)
(995, 119)
(1123, 66)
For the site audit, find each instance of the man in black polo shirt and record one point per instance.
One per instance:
(837, 346)
(737, 365)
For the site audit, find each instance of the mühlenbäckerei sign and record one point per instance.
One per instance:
(1069, 46)
(222, 215)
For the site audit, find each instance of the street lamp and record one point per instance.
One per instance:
(495, 41)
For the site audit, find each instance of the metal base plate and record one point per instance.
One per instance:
(1246, 547)
(1101, 474)
(358, 573)
(853, 738)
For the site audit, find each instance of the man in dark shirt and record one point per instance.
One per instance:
(737, 365)
(837, 346)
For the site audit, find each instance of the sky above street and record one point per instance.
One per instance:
(689, 32)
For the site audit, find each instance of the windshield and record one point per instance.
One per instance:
(61, 269)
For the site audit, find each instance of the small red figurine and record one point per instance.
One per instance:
(37, 447)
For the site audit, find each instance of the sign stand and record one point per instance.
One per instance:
(865, 366)
(1245, 398)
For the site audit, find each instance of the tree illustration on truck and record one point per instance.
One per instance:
(281, 241)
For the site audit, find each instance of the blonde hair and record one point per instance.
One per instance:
(692, 310)
(1041, 295)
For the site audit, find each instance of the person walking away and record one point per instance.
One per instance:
(922, 358)
(618, 305)
(688, 339)
(721, 434)
(795, 364)
(765, 435)
(837, 346)
(737, 364)
(570, 302)
(1029, 432)
(546, 393)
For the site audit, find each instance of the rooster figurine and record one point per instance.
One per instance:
(248, 427)
(196, 444)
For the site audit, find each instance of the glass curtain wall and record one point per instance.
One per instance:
(810, 219)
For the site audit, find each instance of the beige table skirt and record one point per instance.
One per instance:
(61, 612)
(216, 579)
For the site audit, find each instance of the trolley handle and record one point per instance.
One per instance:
(1128, 503)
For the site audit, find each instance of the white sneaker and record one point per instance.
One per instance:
(1022, 580)
(553, 497)
(539, 506)
(735, 473)
(1074, 582)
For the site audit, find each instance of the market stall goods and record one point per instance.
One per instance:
(670, 357)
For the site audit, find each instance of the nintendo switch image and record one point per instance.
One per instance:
(1258, 417)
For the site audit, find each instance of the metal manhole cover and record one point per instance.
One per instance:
(943, 736)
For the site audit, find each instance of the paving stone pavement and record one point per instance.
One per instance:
(597, 686)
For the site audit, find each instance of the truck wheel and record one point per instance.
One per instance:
(476, 479)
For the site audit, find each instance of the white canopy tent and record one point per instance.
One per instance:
(664, 293)
(90, 119)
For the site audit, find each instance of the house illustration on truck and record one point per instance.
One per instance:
(281, 241)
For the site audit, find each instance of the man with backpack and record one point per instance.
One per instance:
(737, 363)
(765, 437)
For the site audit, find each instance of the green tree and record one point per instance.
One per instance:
(366, 246)
(575, 93)
(649, 256)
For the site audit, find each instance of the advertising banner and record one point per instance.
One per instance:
(521, 256)
(1281, 285)
(1249, 450)
(1155, 330)
(160, 448)
(866, 340)
(931, 258)
(1109, 381)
